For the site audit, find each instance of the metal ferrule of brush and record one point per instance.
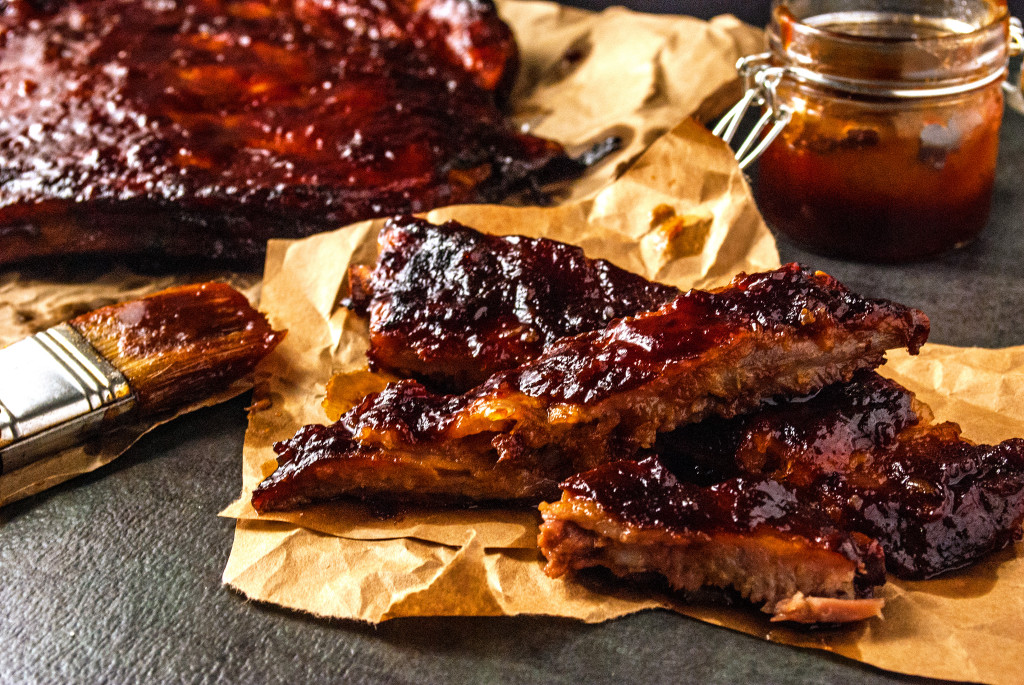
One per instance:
(55, 389)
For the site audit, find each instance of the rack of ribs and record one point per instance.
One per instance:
(451, 306)
(871, 456)
(597, 396)
(755, 536)
(205, 127)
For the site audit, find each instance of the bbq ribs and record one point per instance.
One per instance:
(800, 505)
(452, 306)
(865, 457)
(205, 127)
(595, 397)
(753, 535)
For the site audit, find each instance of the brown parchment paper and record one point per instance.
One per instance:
(31, 301)
(964, 626)
(338, 560)
(587, 75)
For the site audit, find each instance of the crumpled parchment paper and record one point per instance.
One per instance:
(339, 560)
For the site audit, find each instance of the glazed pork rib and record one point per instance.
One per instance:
(205, 127)
(869, 454)
(935, 502)
(771, 503)
(451, 306)
(752, 535)
(594, 397)
(835, 430)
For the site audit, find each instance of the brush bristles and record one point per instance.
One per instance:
(182, 344)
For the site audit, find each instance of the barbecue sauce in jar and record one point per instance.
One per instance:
(890, 152)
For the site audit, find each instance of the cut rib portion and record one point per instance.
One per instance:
(869, 455)
(451, 306)
(595, 397)
(205, 127)
(754, 536)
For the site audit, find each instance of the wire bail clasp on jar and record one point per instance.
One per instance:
(760, 80)
(1012, 87)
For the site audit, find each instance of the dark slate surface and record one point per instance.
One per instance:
(115, 577)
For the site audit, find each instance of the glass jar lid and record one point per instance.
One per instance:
(892, 48)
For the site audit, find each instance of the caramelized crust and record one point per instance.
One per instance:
(797, 439)
(451, 306)
(181, 344)
(858, 451)
(324, 462)
(593, 397)
(755, 536)
(935, 502)
(860, 459)
(205, 127)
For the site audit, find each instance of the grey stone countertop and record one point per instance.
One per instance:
(115, 576)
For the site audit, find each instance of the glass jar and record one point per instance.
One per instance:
(893, 109)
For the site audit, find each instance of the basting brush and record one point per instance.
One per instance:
(127, 360)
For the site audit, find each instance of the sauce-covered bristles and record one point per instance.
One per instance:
(181, 344)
